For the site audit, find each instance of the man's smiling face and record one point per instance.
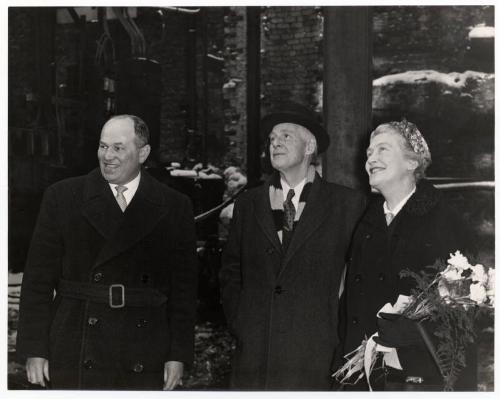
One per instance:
(119, 156)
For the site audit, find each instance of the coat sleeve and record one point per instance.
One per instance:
(230, 273)
(182, 300)
(40, 278)
(359, 203)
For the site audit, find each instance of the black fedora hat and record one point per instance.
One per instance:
(296, 113)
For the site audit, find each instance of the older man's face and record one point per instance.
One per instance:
(119, 156)
(288, 147)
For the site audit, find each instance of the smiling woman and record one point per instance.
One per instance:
(392, 164)
(409, 226)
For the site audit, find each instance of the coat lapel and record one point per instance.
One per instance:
(122, 230)
(374, 216)
(313, 216)
(99, 205)
(263, 214)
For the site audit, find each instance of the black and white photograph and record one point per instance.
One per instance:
(249, 198)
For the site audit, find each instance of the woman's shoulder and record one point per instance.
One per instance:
(427, 199)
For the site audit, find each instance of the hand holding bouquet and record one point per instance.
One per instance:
(451, 295)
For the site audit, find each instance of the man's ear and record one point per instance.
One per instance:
(311, 146)
(144, 153)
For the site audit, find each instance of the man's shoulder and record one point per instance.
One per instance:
(165, 192)
(69, 183)
(252, 193)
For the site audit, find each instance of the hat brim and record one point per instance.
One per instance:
(271, 120)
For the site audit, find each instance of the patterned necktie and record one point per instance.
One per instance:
(120, 198)
(289, 211)
(389, 217)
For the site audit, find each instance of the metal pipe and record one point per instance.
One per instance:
(475, 185)
(184, 10)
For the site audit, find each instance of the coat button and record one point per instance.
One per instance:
(92, 321)
(278, 290)
(142, 323)
(88, 364)
(138, 367)
(381, 276)
(358, 277)
(98, 277)
(145, 278)
(354, 320)
(368, 236)
(270, 251)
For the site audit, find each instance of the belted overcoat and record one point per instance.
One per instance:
(283, 307)
(82, 236)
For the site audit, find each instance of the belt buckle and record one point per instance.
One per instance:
(414, 379)
(122, 288)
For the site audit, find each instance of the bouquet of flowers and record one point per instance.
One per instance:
(449, 294)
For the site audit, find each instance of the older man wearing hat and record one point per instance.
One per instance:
(283, 263)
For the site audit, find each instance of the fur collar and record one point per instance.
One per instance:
(426, 197)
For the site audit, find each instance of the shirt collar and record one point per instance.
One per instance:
(400, 205)
(297, 189)
(131, 187)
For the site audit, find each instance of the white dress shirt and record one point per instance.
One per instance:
(399, 206)
(131, 188)
(297, 189)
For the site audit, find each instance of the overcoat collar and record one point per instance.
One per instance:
(422, 202)
(121, 230)
(262, 209)
(313, 216)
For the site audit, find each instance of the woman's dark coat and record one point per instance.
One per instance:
(425, 230)
(283, 308)
(83, 236)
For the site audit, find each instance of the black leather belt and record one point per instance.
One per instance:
(116, 295)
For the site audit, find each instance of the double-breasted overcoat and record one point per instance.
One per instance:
(83, 237)
(283, 307)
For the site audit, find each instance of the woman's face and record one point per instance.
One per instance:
(387, 164)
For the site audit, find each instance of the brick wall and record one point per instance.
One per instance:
(212, 37)
(21, 75)
(234, 88)
(292, 65)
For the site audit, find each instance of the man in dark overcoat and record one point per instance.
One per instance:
(284, 260)
(109, 290)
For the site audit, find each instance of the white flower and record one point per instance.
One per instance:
(479, 274)
(459, 261)
(451, 273)
(477, 293)
(490, 285)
